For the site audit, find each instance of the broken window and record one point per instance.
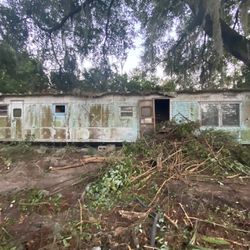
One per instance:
(17, 112)
(209, 115)
(230, 114)
(220, 114)
(3, 110)
(146, 111)
(126, 111)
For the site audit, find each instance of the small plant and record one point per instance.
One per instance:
(109, 188)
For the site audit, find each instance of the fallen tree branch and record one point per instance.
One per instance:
(219, 225)
(82, 163)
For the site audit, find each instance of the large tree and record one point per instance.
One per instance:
(19, 73)
(189, 37)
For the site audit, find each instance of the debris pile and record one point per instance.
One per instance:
(179, 188)
(144, 190)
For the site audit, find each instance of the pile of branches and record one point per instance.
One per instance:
(174, 152)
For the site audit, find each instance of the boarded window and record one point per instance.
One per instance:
(146, 111)
(126, 111)
(230, 114)
(17, 112)
(3, 110)
(209, 115)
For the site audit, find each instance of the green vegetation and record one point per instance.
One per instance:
(19, 73)
(178, 188)
(205, 38)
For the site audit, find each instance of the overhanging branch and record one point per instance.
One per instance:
(72, 13)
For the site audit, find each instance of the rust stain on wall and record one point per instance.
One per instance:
(18, 128)
(105, 116)
(7, 133)
(46, 133)
(5, 122)
(95, 116)
(60, 134)
(46, 117)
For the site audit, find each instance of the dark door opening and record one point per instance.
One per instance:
(162, 110)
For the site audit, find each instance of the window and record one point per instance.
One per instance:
(209, 115)
(220, 114)
(60, 109)
(17, 112)
(3, 110)
(126, 111)
(230, 114)
(146, 111)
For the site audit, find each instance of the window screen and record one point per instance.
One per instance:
(127, 111)
(230, 114)
(3, 110)
(146, 112)
(209, 115)
(17, 112)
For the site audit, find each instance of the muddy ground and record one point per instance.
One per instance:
(44, 209)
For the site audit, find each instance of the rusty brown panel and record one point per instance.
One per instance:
(105, 116)
(95, 116)
(4, 122)
(46, 116)
(60, 134)
(18, 128)
(45, 133)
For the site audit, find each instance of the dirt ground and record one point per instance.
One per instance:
(43, 209)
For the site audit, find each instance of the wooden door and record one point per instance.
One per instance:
(146, 118)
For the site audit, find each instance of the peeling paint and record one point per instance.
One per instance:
(100, 120)
(95, 116)
(46, 116)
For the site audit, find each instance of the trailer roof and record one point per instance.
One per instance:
(142, 93)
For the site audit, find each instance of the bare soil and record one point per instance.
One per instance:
(58, 218)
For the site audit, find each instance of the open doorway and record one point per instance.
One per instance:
(162, 110)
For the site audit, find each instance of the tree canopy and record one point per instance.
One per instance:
(194, 40)
(19, 73)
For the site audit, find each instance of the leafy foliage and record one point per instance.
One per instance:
(19, 73)
(109, 188)
(186, 37)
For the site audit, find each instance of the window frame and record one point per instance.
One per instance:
(62, 114)
(220, 113)
(13, 112)
(4, 110)
(124, 113)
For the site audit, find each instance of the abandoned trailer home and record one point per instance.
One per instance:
(113, 117)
